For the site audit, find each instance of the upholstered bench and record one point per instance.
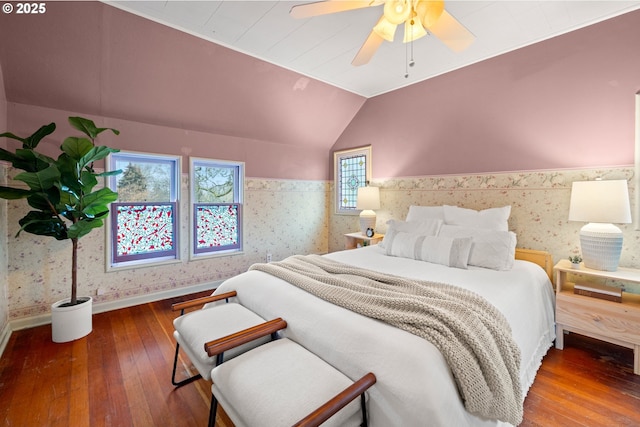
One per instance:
(194, 329)
(280, 383)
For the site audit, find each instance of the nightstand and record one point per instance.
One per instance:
(352, 239)
(614, 322)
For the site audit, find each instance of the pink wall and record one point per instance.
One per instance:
(567, 102)
(262, 159)
(173, 92)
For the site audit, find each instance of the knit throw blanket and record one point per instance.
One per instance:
(472, 335)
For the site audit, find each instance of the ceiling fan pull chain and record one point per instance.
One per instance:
(406, 61)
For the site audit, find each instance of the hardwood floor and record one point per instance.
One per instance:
(120, 376)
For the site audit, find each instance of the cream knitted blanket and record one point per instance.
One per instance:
(472, 335)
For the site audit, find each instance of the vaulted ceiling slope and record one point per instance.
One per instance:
(323, 47)
(92, 58)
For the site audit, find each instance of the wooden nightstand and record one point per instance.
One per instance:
(352, 239)
(614, 322)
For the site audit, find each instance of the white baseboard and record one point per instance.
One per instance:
(43, 319)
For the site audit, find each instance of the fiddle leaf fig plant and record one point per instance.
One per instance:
(60, 191)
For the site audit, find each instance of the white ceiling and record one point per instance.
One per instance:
(323, 47)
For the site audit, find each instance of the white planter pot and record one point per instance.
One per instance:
(71, 323)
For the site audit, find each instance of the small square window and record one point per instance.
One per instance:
(352, 170)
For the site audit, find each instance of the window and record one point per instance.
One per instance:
(352, 169)
(144, 219)
(216, 206)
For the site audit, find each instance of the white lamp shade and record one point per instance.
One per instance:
(368, 198)
(600, 201)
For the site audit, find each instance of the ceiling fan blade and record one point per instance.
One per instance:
(368, 49)
(452, 33)
(329, 6)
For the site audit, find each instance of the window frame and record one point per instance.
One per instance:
(144, 260)
(238, 200)
(337, 156)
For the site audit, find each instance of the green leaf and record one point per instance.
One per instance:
(31, 161)
(32, 141)
(12, 136)
(88, 180)
(76, 148)
(89, 128)
(96, 153)
(7, 156)
(110, 173)
(45, 201)
(43, 224)
(97, 203)
(26, 159)
(13, 193)
(69, 202)
(83, 228)
(41, 180)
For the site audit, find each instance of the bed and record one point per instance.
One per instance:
(415, 386)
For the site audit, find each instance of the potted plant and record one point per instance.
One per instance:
(575, 261)
(63, 205)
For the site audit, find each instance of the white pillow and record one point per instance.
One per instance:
(490, 248)
(425, 227)
(493, 218)
(447, 251)
(418, 213)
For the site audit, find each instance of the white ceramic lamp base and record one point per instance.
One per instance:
(601, 245)
(367, 220)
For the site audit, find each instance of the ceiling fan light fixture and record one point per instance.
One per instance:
(413, 30)
(397, 11)
(429, 11)
(385, 29)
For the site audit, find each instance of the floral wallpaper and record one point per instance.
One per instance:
(539, 206)
(285, 217)
(281, 217)
(4, 307)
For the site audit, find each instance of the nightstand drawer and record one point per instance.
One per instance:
(610, 319)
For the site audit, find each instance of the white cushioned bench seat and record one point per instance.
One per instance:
(278, 384)
(194, 329)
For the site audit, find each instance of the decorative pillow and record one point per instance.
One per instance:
(447, 251)
(490, 248)
(419, 213)
(493, 218)
(452, 252)
(425, 227)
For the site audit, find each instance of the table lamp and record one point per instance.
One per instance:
(600, 203)
(368, 200)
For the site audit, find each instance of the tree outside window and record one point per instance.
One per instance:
(217, 197)
(144, 226)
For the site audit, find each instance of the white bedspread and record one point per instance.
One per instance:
(415, 387)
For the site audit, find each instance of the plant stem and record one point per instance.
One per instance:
(74, 272)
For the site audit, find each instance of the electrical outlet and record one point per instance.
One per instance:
(268, 256)
(100, 291)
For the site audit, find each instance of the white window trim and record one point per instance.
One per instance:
(337, 155)
(150, 262)
(192, 200)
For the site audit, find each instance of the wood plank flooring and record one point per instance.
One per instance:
(120, 376)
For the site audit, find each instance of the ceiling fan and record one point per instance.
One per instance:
(418, 16)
